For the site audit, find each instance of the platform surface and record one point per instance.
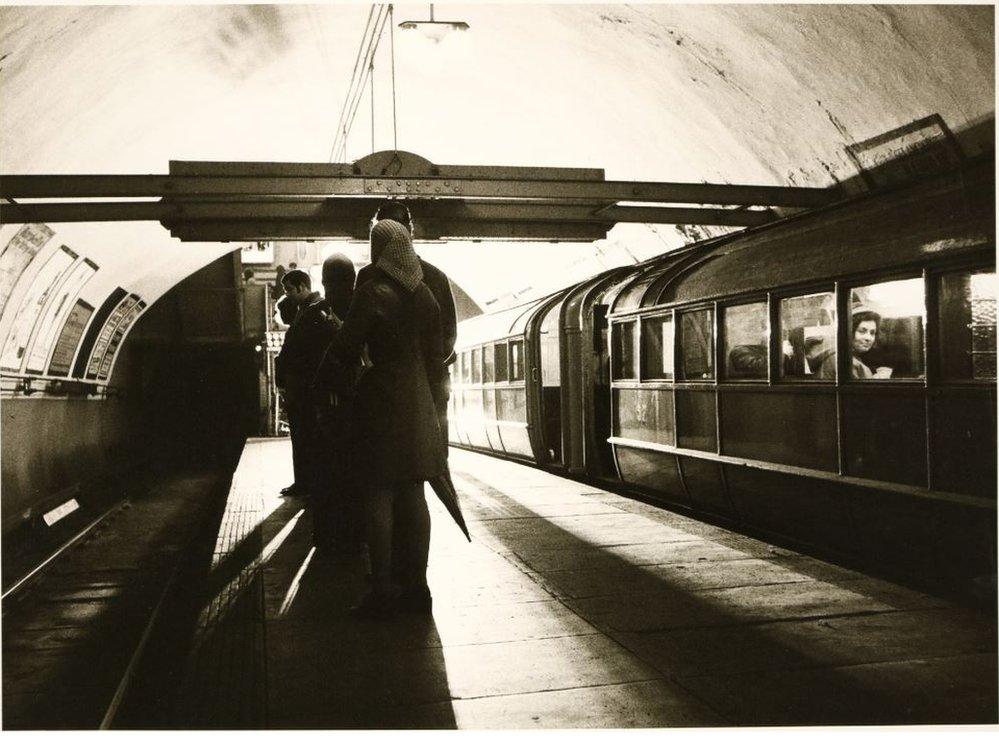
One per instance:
(572, 607)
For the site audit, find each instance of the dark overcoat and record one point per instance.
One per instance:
(439, 285)
(396, 432)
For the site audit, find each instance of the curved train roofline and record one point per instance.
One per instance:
(724, 379)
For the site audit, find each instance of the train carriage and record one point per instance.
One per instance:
(830, 378)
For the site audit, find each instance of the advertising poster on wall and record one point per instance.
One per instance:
(41, 290)
(104, 338)
(119, 336)
(55, 314)
(94, 329)
(69, 338)
(17, 255)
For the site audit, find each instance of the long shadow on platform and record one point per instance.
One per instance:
(802, 646)
(328, 670)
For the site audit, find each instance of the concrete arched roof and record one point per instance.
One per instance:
(769, 94)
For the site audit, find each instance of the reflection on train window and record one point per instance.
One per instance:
(808, 336)
(488, 366)
(967, 312)
(517, 359)
(623, 336)
(696, 341)
(477, 365)
(499, 360)
(886, 330)
(466, 376)
(657, 347)
(746, 341)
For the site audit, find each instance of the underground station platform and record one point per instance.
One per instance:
(572, 607)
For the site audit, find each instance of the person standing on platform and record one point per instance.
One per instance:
(295, 368)
(397, 439)
(337, 522)
(439, 284)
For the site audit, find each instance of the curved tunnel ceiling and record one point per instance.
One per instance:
(721, 93)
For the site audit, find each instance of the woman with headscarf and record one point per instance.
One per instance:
(396, 435)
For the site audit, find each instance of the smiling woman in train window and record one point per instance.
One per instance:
(866, 324)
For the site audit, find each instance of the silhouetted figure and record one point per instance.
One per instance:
(336, 517)
(438, 283)
(397, 440)
(295, 367)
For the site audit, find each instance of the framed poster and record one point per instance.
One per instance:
(17, 255)
(69, 338)
(107, 364)
(107, 331)
(55, 314)
(33, 303)
(90, 338)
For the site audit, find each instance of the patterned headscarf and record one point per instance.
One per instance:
(392, 250)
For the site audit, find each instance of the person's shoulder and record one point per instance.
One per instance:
(431, 269)
(378, 287)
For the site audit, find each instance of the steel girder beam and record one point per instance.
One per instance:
(243, 231)
(250, 201)
(330, 210)
(165, 186)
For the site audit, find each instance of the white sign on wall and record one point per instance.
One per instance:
(34, 301)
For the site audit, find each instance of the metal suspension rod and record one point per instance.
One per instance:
(371, 71)
(395, 135)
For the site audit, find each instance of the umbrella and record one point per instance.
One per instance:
(444, 488)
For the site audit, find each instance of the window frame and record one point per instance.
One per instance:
(678, 313)
(510, 343)
(776, 297)
(487, 349)
(473, 365)
(844, 288)
(721, 309)
(501, 347)
(634, 319)
(642, 319)
(934, 337)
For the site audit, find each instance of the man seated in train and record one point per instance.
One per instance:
(304, 344)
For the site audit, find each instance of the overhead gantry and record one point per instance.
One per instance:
(257, 201)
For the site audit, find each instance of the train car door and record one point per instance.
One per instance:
(599, 459)
(546, 382)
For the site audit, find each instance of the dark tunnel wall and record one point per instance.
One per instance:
(184, 393)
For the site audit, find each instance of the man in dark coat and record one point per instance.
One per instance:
(337, 521)
(398, 446)
(295, 366)
(437, 281)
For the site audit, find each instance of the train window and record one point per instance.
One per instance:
(466, 368)
(499, 360)
(746, 345)
(808, 336)
(657, 347)
(488, 364)
(477, 365)
(623, 337)
(696, 343)
(517, 359)
(967, 315)
(886, 330)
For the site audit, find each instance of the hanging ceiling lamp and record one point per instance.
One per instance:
(433, 29)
